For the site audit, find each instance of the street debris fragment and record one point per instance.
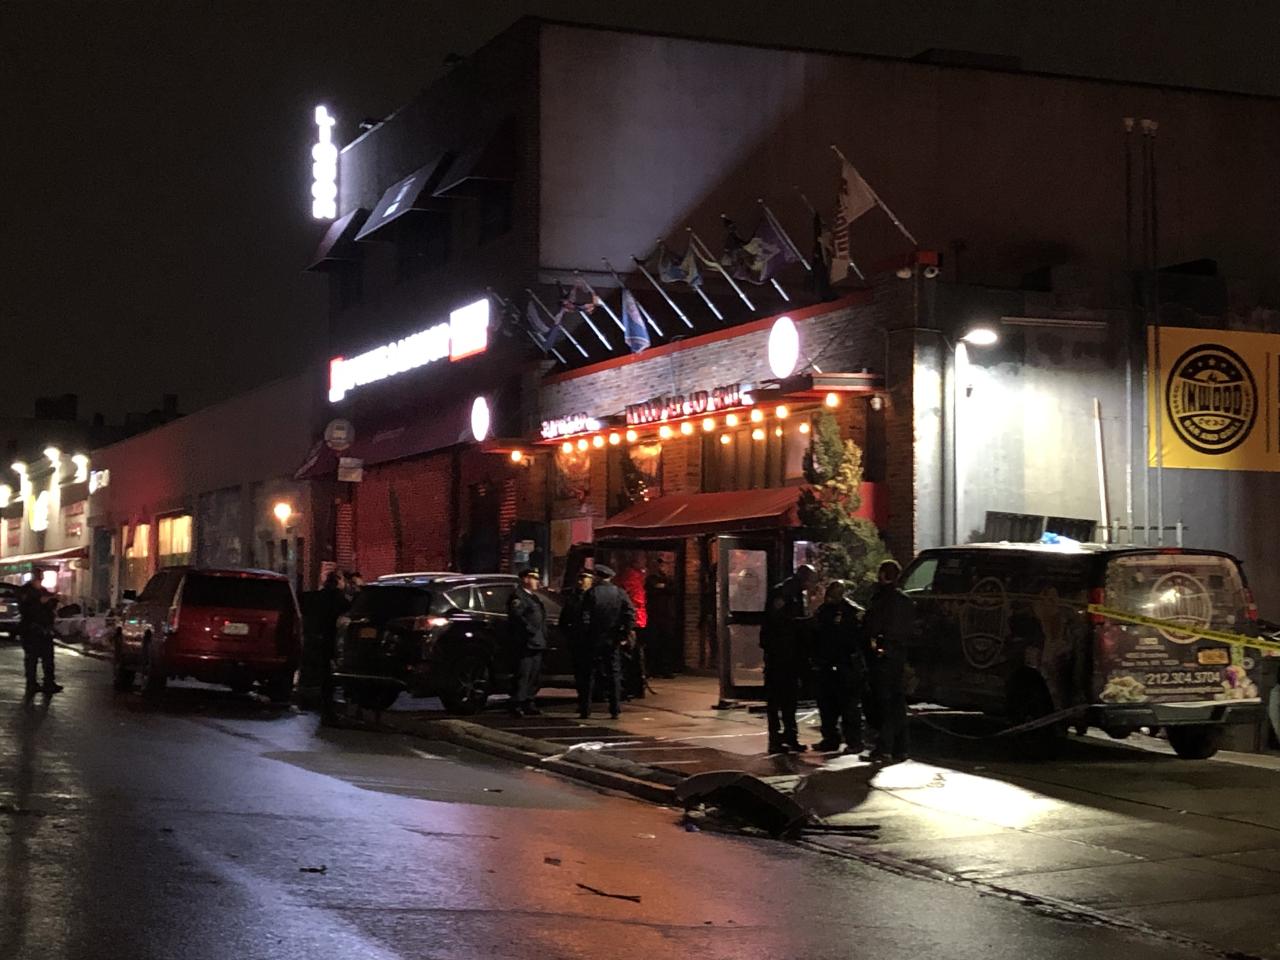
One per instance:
(633, 898)
(552, 861)
(323, 868)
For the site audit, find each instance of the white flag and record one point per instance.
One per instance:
(854, 200)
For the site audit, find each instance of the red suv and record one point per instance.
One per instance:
(231, 627)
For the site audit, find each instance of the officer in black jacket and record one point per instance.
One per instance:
(887, 626)
(840, 672)
(608, 617)
(36, 608)
(575, 636)
(527, 625)
(784, 640)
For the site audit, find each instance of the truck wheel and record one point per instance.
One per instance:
(1196, 742)
(1029, 700)
(122, 678)
(153, 675)
(279, 687)
(468, 689)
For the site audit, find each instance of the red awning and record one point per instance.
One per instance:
(681, 515)
(393, 440)
(51, 556)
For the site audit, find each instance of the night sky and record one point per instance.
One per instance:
(155, 213)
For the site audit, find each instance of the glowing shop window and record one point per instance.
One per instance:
(141, 546)
(174, 537)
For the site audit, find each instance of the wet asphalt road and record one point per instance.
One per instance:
(213, 826)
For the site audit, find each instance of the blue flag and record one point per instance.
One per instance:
(635, 333)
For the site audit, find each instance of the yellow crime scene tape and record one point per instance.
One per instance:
(1190, 630)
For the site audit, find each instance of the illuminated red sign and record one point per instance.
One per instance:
(677, 405)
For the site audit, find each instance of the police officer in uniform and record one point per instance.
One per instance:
(608, 617)
(36, 611)
(839, 669)
(527, 624)
(887, 626)
(575, 637)
(784, 640)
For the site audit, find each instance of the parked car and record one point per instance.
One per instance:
(226, 626)
(9, 619)
(1008, 629)
(436, 634)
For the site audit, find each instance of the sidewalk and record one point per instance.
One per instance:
(1105, 833)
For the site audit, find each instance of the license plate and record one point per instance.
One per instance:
(235, 629)
(1208, 657)
(368, 633)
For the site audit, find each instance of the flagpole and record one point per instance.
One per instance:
(538, 342)
(555, 322)
(814, 211)
(697, 288)
(600, 300)
(670, 303)
(773, 221)
(880, 203)
(706, 254)
(594, 329)
(643, 312)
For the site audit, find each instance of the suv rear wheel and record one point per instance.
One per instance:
(468, 687)
(1195, 742)
(1029, 700)
(279, 688)
(154, 677)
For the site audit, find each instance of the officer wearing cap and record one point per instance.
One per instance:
(575, 637)
(527, 626)
(608, 618)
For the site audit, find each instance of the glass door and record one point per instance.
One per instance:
(748, 567)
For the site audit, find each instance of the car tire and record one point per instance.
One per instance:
(469, 683)
(375, 697)
(1195, 742)
(154, 677)
(1029, 700)
(279, 687)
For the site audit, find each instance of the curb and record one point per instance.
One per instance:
(625, 776)
(91, 654)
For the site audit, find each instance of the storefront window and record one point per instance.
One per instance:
(635, 475)
(174, 540)
(734, 460)
(134, 565)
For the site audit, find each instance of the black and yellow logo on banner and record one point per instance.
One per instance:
(1216, 394)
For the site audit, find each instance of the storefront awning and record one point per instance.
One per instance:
(682, 515)
(394, 440)
(490, 157)
(51, 556)
(339, 241)
(414, 192)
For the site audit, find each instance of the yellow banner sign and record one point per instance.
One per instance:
(1213, 403)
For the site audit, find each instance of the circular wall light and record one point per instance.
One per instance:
(784, 347)
(480, 419)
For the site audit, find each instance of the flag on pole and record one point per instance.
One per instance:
(635, 333)
(820, 260)
(579, 296)
(759, 259)
(668, 269)
(855, 199)
(549, 335)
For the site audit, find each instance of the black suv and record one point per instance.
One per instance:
(436, 634)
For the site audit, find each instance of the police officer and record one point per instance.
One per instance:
(784, 640)
(839, 669)
(527, 623)
(36, 612)
(887, 626)
(320, 616)
(608, 617)
(575, 637)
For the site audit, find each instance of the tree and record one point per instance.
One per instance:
(848, 547)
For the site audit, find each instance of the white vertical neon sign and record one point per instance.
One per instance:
(324, 170)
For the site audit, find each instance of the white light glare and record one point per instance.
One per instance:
(981, 337)
(82, 467)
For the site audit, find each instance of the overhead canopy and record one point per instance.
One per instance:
(681, 515)
(339, 241)
(51, 556)
(489, 157)
(414, 193)
(394, 439)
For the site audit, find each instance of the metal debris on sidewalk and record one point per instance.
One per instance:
(633, 898)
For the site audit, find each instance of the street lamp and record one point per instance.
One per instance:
(283, 511)
(980, 337)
